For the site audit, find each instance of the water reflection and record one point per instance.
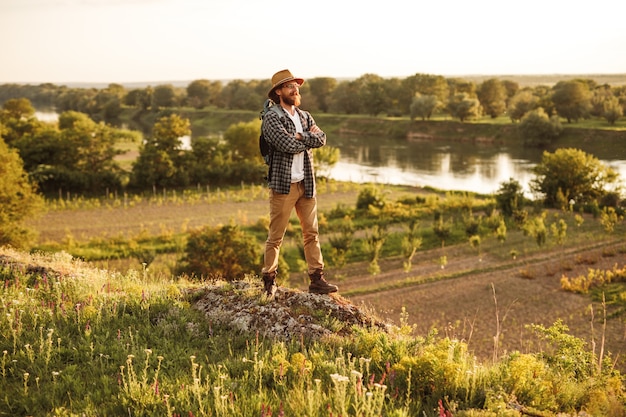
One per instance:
(444, 165)
(47, 116)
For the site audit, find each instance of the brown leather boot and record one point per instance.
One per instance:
(319, 285)
(269, 283)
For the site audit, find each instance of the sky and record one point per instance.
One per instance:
(128, 41)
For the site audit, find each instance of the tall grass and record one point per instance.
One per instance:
(82, 341)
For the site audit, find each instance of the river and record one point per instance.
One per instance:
(459, 166)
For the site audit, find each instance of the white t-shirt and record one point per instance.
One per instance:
(297, 167)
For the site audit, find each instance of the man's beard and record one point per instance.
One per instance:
(293, 100)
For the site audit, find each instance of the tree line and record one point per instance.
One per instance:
(419, 96)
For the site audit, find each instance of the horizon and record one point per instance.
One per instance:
(184, 82)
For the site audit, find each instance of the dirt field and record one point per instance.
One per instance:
(478, 300)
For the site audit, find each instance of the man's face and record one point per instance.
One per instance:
(290, 93)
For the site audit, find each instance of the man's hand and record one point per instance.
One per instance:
(313, 129)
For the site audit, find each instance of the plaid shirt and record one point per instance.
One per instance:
(280, 133)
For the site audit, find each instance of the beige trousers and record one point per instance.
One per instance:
(281, 206)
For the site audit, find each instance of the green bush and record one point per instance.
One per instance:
(226, 253)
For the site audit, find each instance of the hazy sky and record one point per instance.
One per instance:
(165, 40)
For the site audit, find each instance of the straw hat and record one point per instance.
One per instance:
(281, 77)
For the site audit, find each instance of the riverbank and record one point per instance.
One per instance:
(484, 130)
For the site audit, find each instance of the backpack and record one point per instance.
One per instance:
(264, 146)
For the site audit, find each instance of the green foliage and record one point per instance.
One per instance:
(324, 159)
(509, 197)
(578, 176)
(612, 110)
(202, 93)
(464, 107)
(374, 242)
(572, 99)
(537, 129)
(79, 155)
(243, 139)
(493, 96)
(522, 102)
(609, 218)
(18, 200)
(17, 109)
(537, 229)
(441, 229)
(224, 253)
(595, 278)
(370, 196)
(341, 241)
(161, 163)
(423, 106)
(163, 95)
(411, 242)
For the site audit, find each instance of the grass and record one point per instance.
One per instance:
(82, 341)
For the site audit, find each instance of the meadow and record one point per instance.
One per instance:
(80, 341)
(128, 338)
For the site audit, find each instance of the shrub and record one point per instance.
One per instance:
(226, 253)
(370, 196)
(538, 129)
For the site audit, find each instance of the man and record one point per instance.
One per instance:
(292, 133)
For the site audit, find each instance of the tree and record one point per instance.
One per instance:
(572, 174)
(544, 94)
(492, 95)
(423, 106)
(238, 94)
(17, 115)
(612, 110)
(464, 107)
(372, 94)
(95, 145)
(509, 197)
(77, 155)
(537, 129)
(345, 98)
(598, 96)
(521, 103)
(140, 98)
(203, 93)
(18, 108)
(321, 89)
(243, 139)
(224, 253)
(425, 85)
(161, 162)
(572, 100)
(18, 199)
(167, 132)
(164, 96)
